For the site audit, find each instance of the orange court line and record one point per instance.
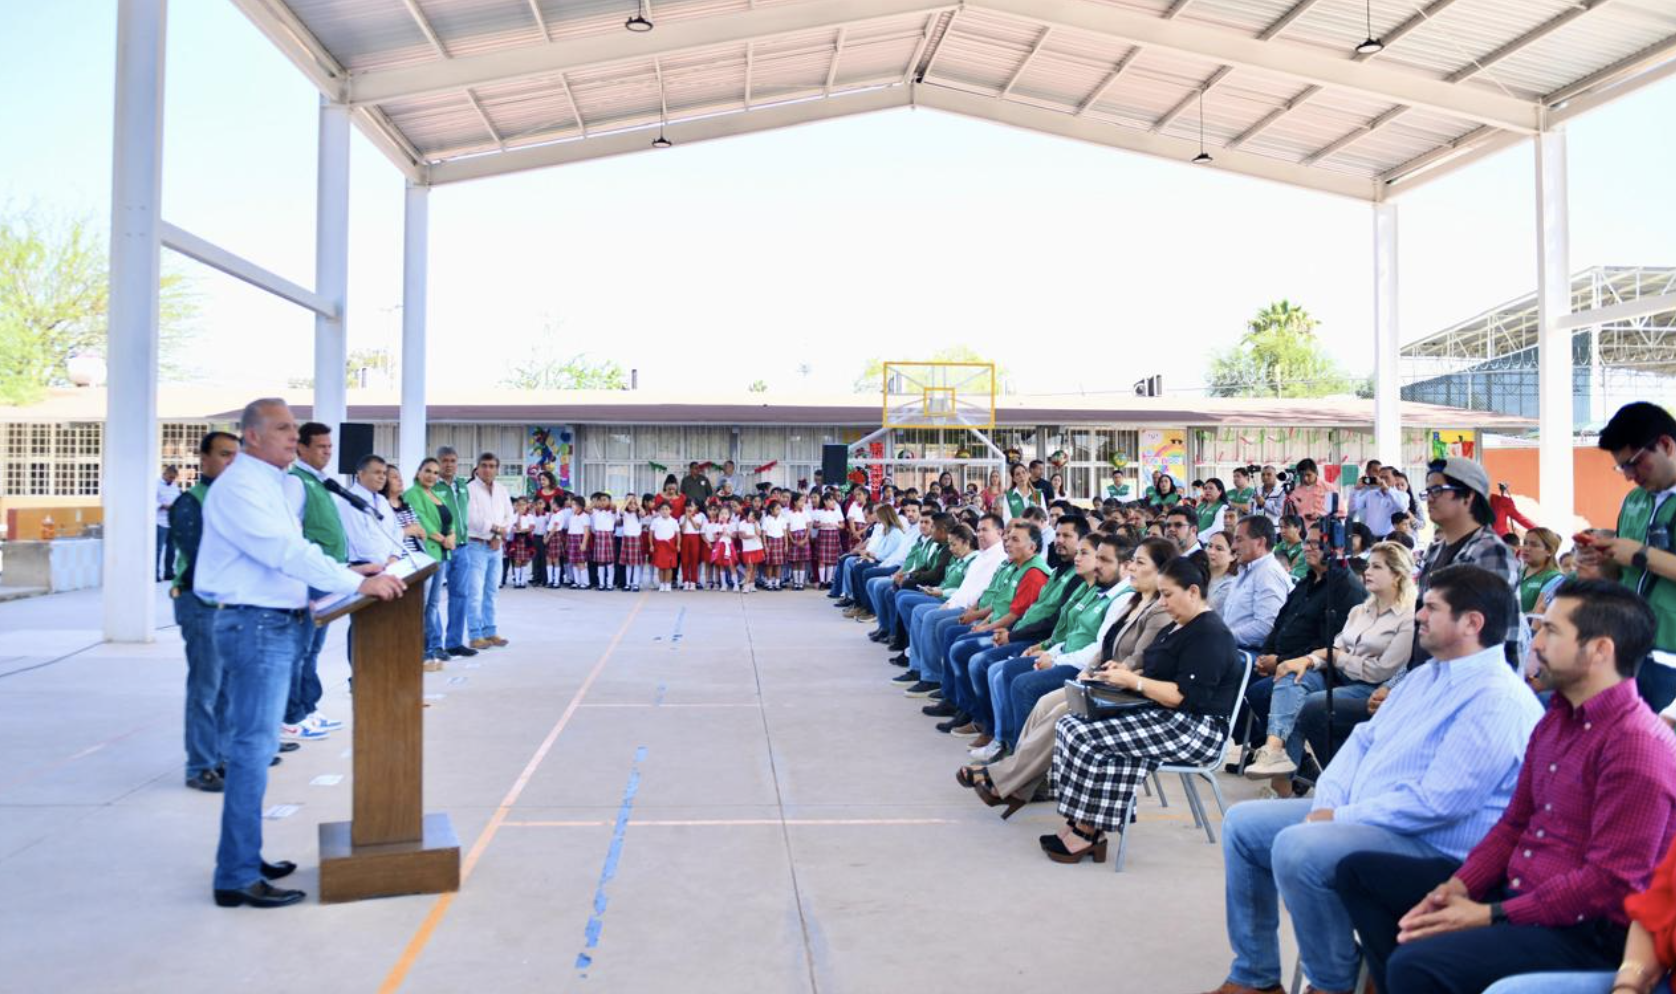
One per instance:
(422, 937)
(672, 705)
(731, 822)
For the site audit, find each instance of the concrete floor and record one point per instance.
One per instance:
(794, 825)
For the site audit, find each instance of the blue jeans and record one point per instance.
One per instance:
(958, 657)
(1026, 689)
(1271, 853)
(165, 553)
(922, 639)
(1589, 982)
(873, 581)
(482, 586)
(898, 607)
(1287, 699)
(943, 635)
(1009, 663)
(840, 575)
(258, 649)
(306, 690)
(206, 698)
(458, 568)
(433, 612)
(989, 692)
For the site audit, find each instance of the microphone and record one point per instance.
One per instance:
(334, 487)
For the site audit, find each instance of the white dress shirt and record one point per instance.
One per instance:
(977, 577)
(487, 510)
(253, 551)
(167, 494)
(368, 539)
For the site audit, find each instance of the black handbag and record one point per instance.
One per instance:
(1097, 701)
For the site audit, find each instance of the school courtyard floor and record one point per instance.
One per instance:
(792, 824)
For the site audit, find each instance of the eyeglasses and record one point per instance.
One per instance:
(1628, 466)
(1431, 492)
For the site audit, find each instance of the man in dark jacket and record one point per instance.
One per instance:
(695, 486)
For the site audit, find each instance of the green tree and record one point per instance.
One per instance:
(758, 386)
(871, 379)
(546, 367)
(371, 363)
(55, 299)
(1279, 356)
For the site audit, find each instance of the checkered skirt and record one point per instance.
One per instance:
(555, 547)
(775, 550)
(633, 550)
(1099, 765)
(828, 545)
(602, 550)
(797, 552)
(574, 553)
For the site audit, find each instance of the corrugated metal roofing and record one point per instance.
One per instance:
(1052, 59)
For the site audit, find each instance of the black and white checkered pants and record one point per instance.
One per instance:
(1098, 765)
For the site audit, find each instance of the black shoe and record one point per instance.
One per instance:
(844, 602)
(258, 895)
(907, 678)
(879, 636)
(959, 718)
(920, 689)
(900, 659)
(942, 709)
(274, 871)
(898, 645)
(460, 650)
(937, 694)
(207, 781)
(290, 746)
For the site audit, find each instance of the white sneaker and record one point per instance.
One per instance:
(1270, 762)
(301, 733)
(321, 722)
(987, 753)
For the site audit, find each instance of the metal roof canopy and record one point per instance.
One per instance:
(461, 89)
(452, 90)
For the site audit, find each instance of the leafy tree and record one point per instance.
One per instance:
(758, 386)
(872, 375)
(360, 361)
(1279, 356)
(55, 300)
(546, 368)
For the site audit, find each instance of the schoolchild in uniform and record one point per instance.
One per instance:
(631, 550)
(577, 534)
(798, 546)
(602, 545)
(722, 550)
(773, 545)
(751, 552)
(666, 546)
(521, 545)
(692, 546)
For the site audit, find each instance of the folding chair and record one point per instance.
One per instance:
(1195, 803)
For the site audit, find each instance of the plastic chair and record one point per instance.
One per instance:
(1189, 774)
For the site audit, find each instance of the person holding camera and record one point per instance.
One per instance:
(1376, 500)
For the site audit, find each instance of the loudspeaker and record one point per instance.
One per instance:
(835, 460)
(354, 441)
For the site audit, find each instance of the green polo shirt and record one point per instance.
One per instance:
(1636, 518)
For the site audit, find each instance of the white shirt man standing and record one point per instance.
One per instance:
(254, 572)
(488, 519)
(168, 491)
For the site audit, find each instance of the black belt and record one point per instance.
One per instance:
(294, 613)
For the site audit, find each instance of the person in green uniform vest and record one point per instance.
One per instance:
(1118, 488)
(436, 515)
(1164, 494)
(323, 526)
(451, 487)
(206, 702)
(1642, 440)
(1244, 496)
(1290, 548)
(1537, 551)
(1017, 586)
(1022, 495)
(1213, 500)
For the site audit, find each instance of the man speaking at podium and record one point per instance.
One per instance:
(254, 571)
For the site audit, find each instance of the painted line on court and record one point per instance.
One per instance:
(596, 921)
(660, 704)
(427, 928)
(663, 688)
(680, 618)
(795, 822)
(41, 771)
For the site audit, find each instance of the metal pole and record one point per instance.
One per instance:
(1554, 363)
(131, 449)
(1387, 392)
(415, 257)
(331, 265)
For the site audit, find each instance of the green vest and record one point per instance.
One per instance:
(1002, 588)
(956, 572)
(1635, 518)
(1243, 497)
(321, 524)
(454, 495)
(1052, 596)
(916, 555)
(1530, 588)
(429, 515)
(1208, 513)
(1017, 503)
(182, 563)
(1063, 625)
(1079, 624)
(1293, 556)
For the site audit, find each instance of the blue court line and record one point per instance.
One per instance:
(680, 616)
(662, 687)
(596, 921)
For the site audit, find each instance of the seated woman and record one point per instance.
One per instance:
(1190, 676)
(1013, 780)
(1224, 567)
(1373, 646)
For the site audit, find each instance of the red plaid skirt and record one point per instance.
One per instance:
(555, 547)
(602, 550)
(574, 553)
(520, 548)
(664, 553)
(775, 550)
(828, 546)
(633, 550)
(796, 551)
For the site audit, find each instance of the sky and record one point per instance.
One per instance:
(706, 267)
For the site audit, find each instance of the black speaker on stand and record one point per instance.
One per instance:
(354, 441)
(835, 461)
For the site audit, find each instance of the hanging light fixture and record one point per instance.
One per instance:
(638, 23)
(1372, 45)
(1203, 157)
(662, 141)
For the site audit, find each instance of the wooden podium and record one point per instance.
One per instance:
(390, 846)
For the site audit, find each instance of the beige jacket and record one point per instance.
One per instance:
(1372, 647)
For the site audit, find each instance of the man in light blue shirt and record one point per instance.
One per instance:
(253, 573)
(887, 557)
(1428, 776)
(1261, 587)
(1373, 504)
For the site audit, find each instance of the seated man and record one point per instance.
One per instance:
(874, 536)
(923, 566)
(1014, 588)
(901, 532)
(1594, 810)
(1427, 777)
(1261, 586)
(927, 619)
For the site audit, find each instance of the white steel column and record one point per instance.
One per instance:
(331, 265)
(1387, 390)
(131, 449)
(415, 251)
(1554, 343)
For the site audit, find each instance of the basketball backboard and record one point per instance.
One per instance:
(939, 395)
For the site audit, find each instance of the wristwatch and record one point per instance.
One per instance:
(1498, 915)
(1639, 560)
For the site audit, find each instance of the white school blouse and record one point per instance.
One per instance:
(664, 529)
(631, 525)
(578, 523)
(693, 525)
(774, 526)
(749, 540)
(714, 529)
(797, 521)
(541, 523)
(603, 521)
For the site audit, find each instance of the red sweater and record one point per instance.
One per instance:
(1029, 588)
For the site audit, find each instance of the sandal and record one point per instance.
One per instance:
(970, 776)
(1060, 853)
(986, 793)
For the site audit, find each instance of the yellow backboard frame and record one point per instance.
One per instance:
(965, 391)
